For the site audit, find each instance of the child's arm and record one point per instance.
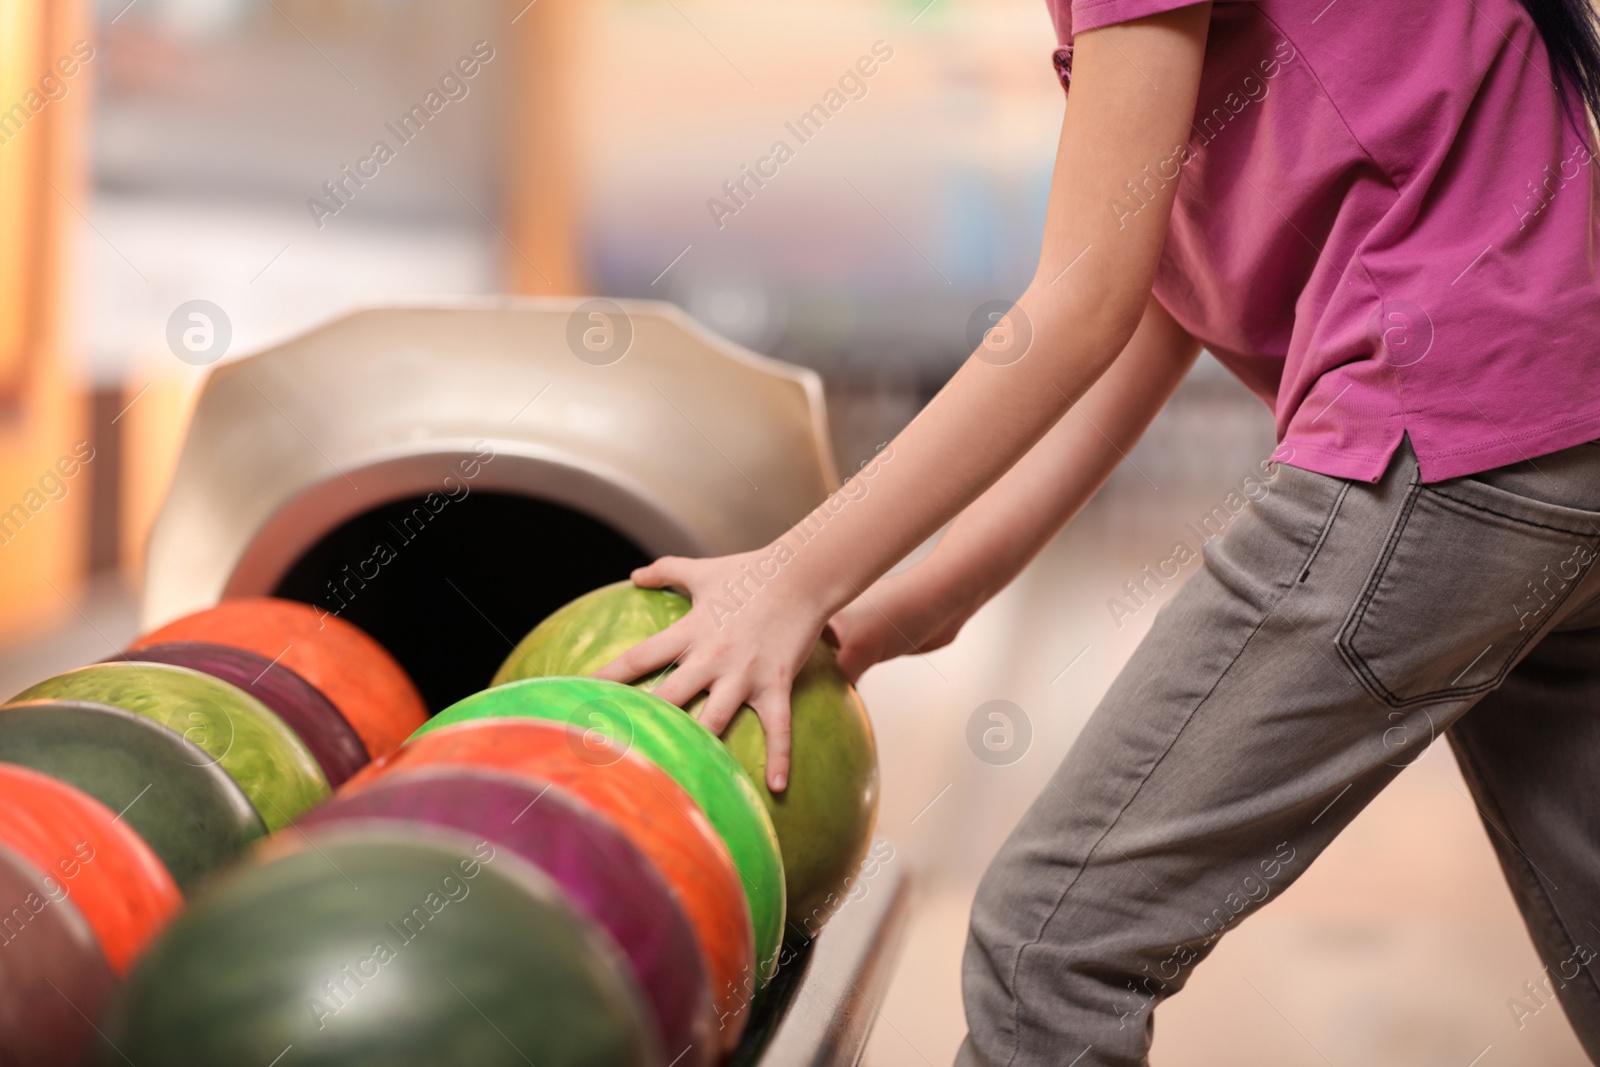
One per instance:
(923, 607)
(1131, 105)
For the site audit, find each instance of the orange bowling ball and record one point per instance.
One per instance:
(89, 857)
(350, 668)
(642, 801)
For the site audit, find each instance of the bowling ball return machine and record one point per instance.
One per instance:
(444, 476)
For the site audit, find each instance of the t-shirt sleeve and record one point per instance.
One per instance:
(1077, 16)
(1092, 14)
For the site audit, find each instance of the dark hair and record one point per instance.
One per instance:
(1571, 31)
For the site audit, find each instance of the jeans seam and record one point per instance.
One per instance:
(1267, 614)
(1016, 966)
(1316, 549)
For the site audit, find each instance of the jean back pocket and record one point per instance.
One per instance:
(1469, 576)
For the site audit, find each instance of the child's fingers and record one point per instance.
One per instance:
(646, 656)
(685, 683)
(668, 570)
(773, 708)
(722, 704)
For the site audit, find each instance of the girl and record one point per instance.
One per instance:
(1380, 215)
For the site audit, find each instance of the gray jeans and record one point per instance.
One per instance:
(1333, 632)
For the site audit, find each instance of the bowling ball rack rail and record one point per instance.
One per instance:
(822, 1003)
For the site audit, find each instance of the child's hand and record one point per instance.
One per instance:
(741, 642)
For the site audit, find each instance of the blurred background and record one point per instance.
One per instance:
(202, 150)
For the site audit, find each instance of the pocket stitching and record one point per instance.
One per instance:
(1345, 642)
(1347, 633)
(1591, 532)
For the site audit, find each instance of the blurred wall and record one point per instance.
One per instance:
(543, 253)
(916, 145)
(587, 152)
(230, 142)
(47, 69)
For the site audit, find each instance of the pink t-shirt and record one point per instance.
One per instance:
(1385, 224)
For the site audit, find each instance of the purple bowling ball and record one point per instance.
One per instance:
(337, 747)
(601, 872)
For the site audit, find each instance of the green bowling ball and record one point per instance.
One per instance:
(269, 761)
(382, 948)
(824, 818)
(187, 809)
(610, 720)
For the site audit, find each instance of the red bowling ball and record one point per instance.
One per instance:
(101, 865)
